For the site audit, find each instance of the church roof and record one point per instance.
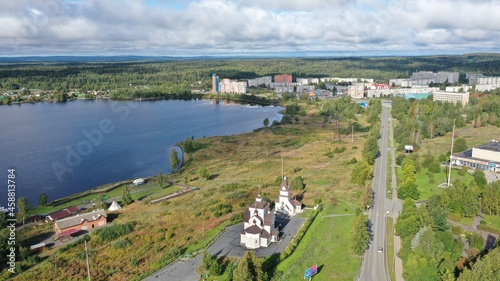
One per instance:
(253, 229)
(268, 219)
(265, 234)
(284, 184)
(296, 203)
(259, 205)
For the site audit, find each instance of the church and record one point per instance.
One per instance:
(259, 228)
(285, 203)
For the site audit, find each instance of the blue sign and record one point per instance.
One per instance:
(307, 273)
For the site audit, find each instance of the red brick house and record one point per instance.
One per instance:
(87, 221)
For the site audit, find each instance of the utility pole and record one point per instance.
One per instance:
(87, 254)
(352, 133)
(451, 153)
(282, 173)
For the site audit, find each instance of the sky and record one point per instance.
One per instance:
(248, 27)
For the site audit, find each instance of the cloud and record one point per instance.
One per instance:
(198, 27)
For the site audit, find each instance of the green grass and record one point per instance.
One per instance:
(492, 222)
(326, 244)
(390, 248)
(428, 189)
(136, 192)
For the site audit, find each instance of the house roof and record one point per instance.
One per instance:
(63, 213)
(78, 219)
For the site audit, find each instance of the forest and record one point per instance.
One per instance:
(149, 78)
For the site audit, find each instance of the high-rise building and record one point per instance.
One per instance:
(232, 87)
(215, 83)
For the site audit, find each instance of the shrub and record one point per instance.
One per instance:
(114, 231)
(120, 244)
(339, 149)
(434, 167)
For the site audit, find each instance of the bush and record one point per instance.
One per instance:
(399, 159)
(339, 149)
(120, 244)
(434, 167)
(114, 231)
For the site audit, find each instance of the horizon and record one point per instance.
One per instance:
(228, 28)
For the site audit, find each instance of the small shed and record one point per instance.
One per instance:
(37, 247)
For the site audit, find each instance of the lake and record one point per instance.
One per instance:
(65, 148)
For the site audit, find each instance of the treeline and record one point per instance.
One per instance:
(186, 74)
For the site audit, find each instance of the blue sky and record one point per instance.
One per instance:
(249, 27)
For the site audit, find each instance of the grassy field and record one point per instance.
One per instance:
(492, 222)
(472, 136)
(150, 189)
(327, 244)
(426, 188)
(240, 166)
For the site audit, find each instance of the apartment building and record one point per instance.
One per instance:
(453, 97)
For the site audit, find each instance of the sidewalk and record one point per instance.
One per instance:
(398, 263)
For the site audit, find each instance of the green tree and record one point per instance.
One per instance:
(188, 145)
(203, 173)
(459, 145)
(266, 122)
(174, 160)
(23, 207)
(248, 268)
(126, 196)
(480, 178)
(370, 150)
(43, 199)
(361, 172)
(159, 179)
(486, 268)
(3, 220)
(491, 199)
(360, 234)
(297, 183)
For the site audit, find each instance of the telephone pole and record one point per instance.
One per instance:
(87, 255)
(451, 154)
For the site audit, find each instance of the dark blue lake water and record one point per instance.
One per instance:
(65, 148)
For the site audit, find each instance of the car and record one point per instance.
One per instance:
(380, 249)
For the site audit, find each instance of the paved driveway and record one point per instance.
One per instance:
(228, 244)
(178, 271)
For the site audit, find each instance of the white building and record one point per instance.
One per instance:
(399, 91)
(347, 80)
(265, 80)
(285, 203)
(427, 77)
(232, 87)
(487, 83)
(484, 157)
(258, 225)
(463, 88)
(356, 91)
(452, 97)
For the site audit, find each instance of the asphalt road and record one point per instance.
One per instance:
(373, 268)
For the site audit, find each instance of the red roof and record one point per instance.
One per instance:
(63, 213)
(68, 232)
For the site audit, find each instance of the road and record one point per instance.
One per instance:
(373, 267)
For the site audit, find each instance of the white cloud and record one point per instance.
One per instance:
(224, 26)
